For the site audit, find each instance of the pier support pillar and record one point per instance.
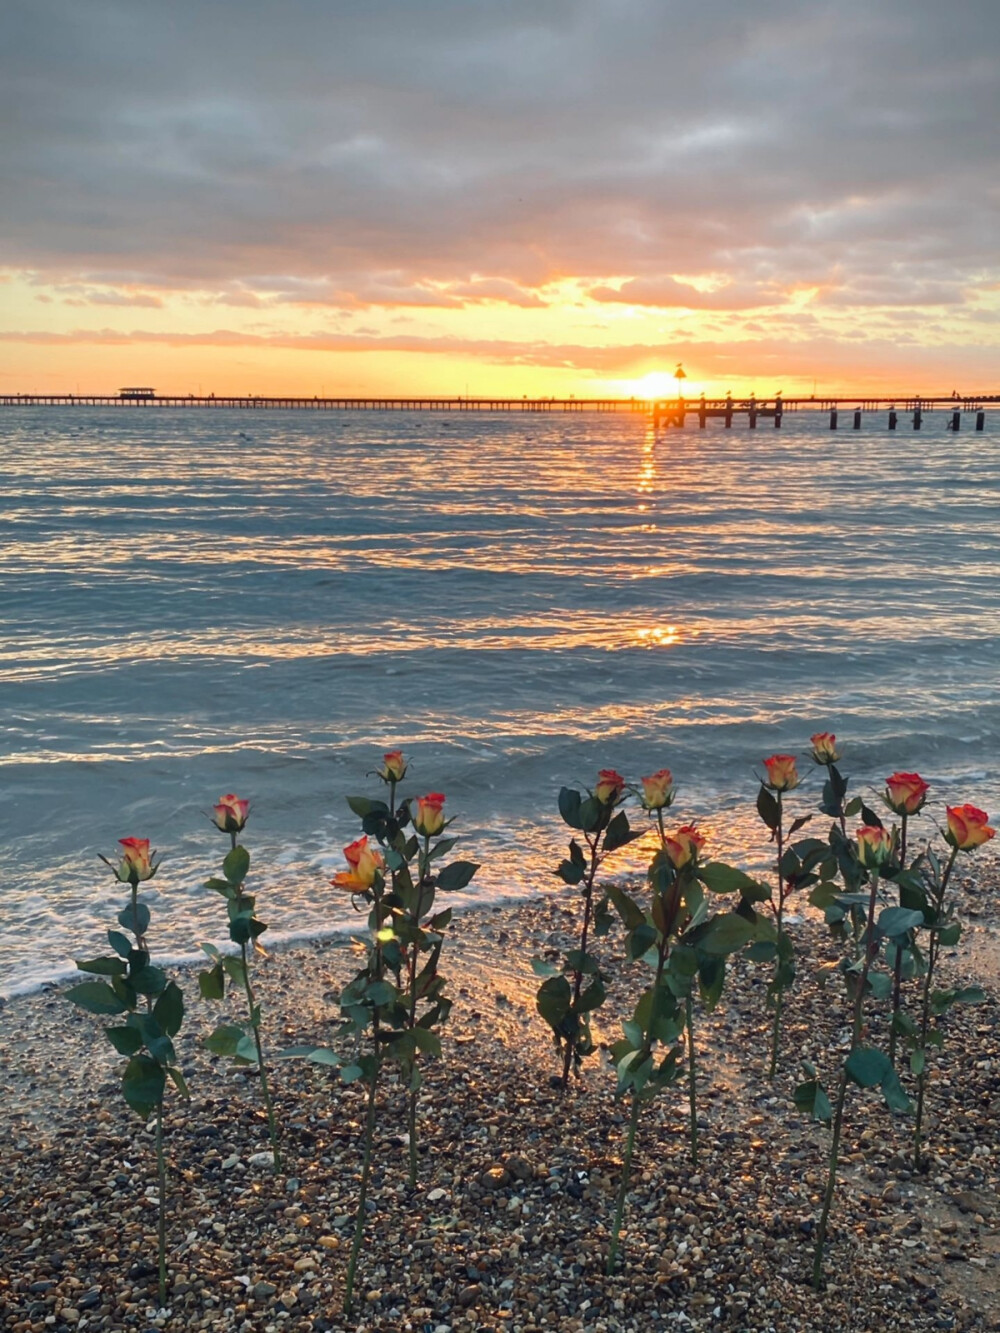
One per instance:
(833, 418)
(857, 420)
(918, 417)
(980, 421)
(893, 418)
(956, 421)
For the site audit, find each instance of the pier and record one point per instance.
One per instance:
(843, 413)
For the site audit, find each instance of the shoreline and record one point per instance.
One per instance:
(508, 1227)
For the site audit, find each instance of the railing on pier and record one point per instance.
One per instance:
(665, 412)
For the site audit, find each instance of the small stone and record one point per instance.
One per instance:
(437, 1195)
(329, 1242)
(261, 1159)
(288, 1299)
(262, 1290)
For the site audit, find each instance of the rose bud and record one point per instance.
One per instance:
(658, 790)
(137, 862)
(967, 827)
(429, 819)
(782, 775)
(230, 815)
(683, 846)
(393, 766)
(610, 786)
(824, 749)
(365, 862)
(874, 845)
(905, 793)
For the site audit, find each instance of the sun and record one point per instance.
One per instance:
(660, 384)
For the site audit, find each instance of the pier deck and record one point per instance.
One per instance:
(665, 412)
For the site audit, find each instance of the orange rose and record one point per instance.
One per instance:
(683, 846)
(610, 786)
(137, 862)
(365, 862)
(658, 790)
(393, 766)
(905, 793)
(230, 815)
(824, 749)
(874, 845)
(782, 775)
(967, 827)
(429, 819)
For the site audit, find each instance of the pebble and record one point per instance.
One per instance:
(508, 1231)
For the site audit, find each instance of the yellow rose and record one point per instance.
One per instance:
(610, 786)
(137, 861)
(429, 819)
(658, 790)
(393, 766)
(365, 862)
(782, 775)
(967, 827)
(824, 747)
(230, 815)
(874, 845)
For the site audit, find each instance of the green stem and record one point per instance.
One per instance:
(831, 1181)
(692, 1077)
(925, 1009)
(623, 1187)
(922, 1076)
(359, 1225)
(411, 1107)
(838, 1116)
(264, 1087)
(578, 975)
(897, 967)
(161, 1170)
(778, 988)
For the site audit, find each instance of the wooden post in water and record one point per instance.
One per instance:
(777, 412)
(833, 418)
(893, 418)
(857, 418)
(956, 421)
(918, 417)
(702, 413)
(980, 421)
(753, 412)
(729, 411)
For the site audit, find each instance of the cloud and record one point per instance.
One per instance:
(443, 155)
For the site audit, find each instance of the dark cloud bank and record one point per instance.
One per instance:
(362, 153)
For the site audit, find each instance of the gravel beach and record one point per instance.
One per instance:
(508, 1229)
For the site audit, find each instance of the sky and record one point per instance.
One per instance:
(472, 197)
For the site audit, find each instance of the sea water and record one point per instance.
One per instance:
(200, 602)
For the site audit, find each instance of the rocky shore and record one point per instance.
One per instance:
(508, 1229)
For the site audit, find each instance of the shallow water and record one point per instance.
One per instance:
(200, 602)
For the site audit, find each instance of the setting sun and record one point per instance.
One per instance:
(661, 384)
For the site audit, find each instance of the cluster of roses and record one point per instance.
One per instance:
(905, 794)
(398, 1001)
